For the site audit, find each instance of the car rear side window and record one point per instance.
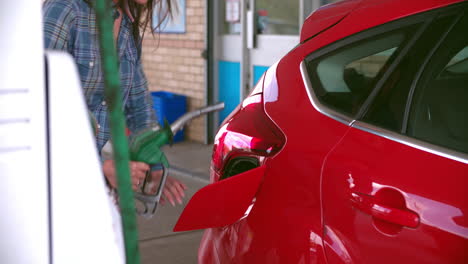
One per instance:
(343, 79)
(439, 111)
(388, 108)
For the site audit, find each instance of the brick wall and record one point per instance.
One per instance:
(173, 62)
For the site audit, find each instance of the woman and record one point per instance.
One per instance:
(70, 25)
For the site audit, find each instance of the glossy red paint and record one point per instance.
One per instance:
(289, 196)
(221, 203)
(326, 17)
(398, 215)
(367, 14)
(420, 183)
(318, 205)
(248, 132)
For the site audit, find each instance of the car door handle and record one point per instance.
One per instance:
(368, 205)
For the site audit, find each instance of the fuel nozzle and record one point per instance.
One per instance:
(145, 146)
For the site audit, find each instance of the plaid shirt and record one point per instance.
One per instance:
(70, 25)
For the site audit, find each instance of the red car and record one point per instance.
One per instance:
(353, 148)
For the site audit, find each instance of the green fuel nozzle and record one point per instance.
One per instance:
(145, 146)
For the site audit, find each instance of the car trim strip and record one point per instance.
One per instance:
(316, 103)
(412, 142)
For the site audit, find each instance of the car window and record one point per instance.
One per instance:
(458, 64)
(388, 108)
(439, 111)
(343, 78)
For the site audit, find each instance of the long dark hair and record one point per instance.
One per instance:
(143, 14)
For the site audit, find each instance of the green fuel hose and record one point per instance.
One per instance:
(113, 98)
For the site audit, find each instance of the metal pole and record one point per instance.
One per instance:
(211, 119)
(245, 59)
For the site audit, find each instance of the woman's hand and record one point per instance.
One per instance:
(173, 191)
(137, 173)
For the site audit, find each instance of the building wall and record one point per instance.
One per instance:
(173, 62)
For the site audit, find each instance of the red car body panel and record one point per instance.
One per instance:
(316, 206)
(364, 11)
(380, 164)
(326, 17)
(221, 203)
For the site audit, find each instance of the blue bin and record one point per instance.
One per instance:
(169, 106)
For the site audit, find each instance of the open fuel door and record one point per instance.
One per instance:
(221, 203)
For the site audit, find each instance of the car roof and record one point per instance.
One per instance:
(370, 12)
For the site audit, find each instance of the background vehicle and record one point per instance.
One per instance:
(353, 148)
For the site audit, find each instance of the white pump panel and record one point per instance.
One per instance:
(24, 203)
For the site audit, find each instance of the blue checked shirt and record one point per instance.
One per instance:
(70, 25)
